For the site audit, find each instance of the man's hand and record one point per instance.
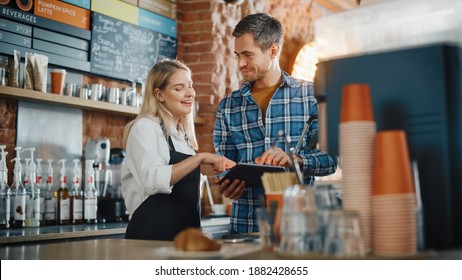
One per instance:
(232, 190)
(274, 156)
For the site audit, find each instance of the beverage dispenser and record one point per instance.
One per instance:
(98, 149)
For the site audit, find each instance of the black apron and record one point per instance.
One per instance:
(162, 216)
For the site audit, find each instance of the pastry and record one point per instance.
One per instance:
(193, 239)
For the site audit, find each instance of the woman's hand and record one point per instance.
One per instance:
(219, 163)
(183, 168)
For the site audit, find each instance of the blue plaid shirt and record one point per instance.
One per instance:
(241, 135)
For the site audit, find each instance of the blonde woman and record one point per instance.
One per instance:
(160, 175)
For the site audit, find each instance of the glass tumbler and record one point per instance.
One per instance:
(327, 200)
(299, 233)
(344, 237)
(265, 218)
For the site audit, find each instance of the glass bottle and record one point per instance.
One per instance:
(50, 198)
(12, 191)
(20, 197)
(32, 192)
(90, 195)
(63, 197)
(42, 188)
(4, 191)
(77, 195)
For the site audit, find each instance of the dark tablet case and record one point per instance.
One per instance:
(250, 173)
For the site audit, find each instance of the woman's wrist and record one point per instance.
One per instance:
(201, 157)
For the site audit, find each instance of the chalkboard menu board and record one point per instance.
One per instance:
(125, 51)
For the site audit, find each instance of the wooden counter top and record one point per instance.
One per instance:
(126, 249)
(113, 249)
(105, 242)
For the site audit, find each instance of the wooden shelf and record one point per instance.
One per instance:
(75, 102)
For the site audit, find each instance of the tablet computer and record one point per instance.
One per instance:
(250, 173)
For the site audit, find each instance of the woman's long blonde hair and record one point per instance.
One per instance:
(159, 77)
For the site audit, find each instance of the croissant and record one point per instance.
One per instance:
(193, 239)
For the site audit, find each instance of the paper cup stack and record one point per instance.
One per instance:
(394, 199)
(357, 131)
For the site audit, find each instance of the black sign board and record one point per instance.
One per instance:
(125, 51)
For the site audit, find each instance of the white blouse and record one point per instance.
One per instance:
(146, 170)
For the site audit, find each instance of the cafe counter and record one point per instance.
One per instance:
(125, 249)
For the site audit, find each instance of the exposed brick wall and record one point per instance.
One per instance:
(97, 125)
(8, 109)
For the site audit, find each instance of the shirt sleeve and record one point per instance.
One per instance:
(222, 140)
(316, 162)
(148, 158)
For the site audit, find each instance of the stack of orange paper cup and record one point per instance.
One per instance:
(275, 196)
(394, 199)
(357, 131)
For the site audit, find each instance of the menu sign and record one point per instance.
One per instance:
(63, 12)
(125, 51)
(30, 19)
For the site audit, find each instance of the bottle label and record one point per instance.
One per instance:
(50, 209)
(78, 209)
(90, 208)
(20, 208)
(65, 210)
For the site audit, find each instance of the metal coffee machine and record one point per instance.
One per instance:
(99, 151)
(107, 166)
